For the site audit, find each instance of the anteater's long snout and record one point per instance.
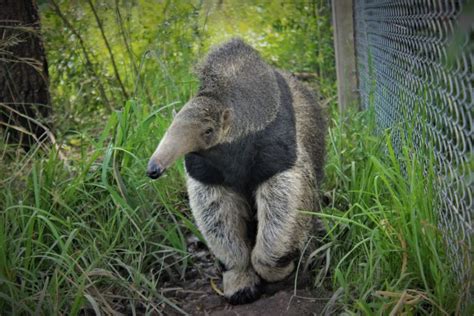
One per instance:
(154, 170)
(177, 141)
(163, 156)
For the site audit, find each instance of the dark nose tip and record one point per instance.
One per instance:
(154, 171)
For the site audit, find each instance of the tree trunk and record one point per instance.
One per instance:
(24, 95)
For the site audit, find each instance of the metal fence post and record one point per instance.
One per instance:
(343, 23)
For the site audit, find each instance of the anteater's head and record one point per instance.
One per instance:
(201, 124)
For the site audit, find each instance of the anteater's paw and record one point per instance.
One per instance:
(241, 287)
(245, 295)
(274, 271)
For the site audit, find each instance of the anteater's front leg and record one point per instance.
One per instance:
(282, 228)
(221, 216)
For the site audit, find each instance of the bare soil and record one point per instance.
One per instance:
(199, 295)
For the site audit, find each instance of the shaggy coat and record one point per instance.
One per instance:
(253, 140)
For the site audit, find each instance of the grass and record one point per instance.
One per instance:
(387, 254)
(94, 229)
(96, 232)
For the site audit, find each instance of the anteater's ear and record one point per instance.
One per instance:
(226, 118)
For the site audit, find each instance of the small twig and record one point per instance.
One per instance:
(313, 299)
(396, 309)
(215, 288)
(409, 297)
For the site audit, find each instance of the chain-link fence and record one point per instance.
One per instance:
(415, 61)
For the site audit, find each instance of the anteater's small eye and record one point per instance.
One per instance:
(209, 131)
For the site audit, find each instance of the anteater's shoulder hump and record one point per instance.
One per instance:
(234, 49)
(233, 58)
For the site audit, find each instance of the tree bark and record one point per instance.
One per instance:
(24, 94)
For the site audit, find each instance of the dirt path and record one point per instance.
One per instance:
(200, 296)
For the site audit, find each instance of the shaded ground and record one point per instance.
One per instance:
(199, 295)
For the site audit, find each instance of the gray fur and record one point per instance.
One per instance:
(235, 74)
(241, 97)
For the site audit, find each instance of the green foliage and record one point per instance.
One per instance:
(293, 35)
(151, 42)
(93, 229)
(155, 45)
(387, 251)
